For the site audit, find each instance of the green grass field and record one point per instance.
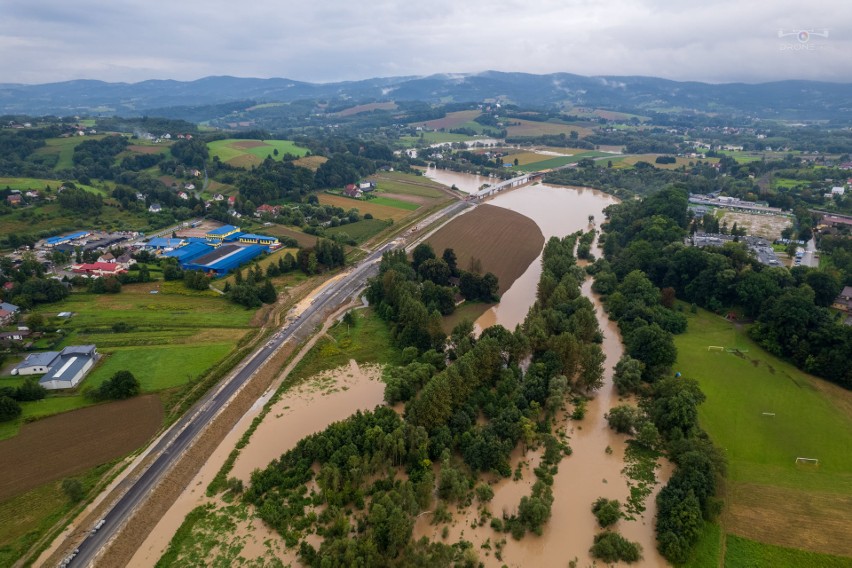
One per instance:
(368, 341)
(764, 413)
(407, 184)
(178, 335)
(159, 367)
(360, 230)
(64, 148)
(435, 138)
(740, 390)
(390, 202)
(744, 553)
(248, 152)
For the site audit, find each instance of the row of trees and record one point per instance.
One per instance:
(668, 412)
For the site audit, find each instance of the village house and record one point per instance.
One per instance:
(218, 197)
(183, 195)
(14, 199)
(98, 269)
(154, 208)
(106, 257)
(266, 209)
(352, 191)
(843, 301)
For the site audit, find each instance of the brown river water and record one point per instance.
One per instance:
(590, 472)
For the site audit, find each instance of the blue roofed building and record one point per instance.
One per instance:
(252, 239)
(220, 233)
(189, 252)
(225, 258)
(160, 243)
(58, 240)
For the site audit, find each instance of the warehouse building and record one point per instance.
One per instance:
(225, 258)
(62, 370)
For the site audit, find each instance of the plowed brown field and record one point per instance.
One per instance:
(506, 242)
(70, 443)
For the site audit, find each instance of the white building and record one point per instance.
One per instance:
(62, 370)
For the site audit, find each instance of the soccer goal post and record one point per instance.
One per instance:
(808, 461)
(715, 348)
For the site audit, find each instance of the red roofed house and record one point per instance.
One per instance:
(231, 200)
(268, 209)
(354, 192)
(99, 269)
(14, 199)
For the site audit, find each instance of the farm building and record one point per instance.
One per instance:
(70, 367)
(35, 363)
(62, 370)
(225, 258)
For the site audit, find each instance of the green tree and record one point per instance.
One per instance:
(120, 386)
(606, 511)
(73, 489)
(9, 409)
(421, 254)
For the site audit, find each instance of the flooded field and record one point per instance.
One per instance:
(306, 409)
(593, 470)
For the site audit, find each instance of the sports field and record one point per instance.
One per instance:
(247, 153)
(765, 413)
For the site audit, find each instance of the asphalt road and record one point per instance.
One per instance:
(184, 432)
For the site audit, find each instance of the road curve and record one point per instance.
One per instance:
(183, 433)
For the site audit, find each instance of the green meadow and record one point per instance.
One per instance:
(176, 336)
(764, 413)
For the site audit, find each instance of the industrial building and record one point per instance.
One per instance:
(62, 370)
(222, 250)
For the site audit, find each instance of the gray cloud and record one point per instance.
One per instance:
(330, 40)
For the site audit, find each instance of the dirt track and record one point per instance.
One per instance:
(71, 443)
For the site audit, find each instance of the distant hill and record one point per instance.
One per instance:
(782, 99)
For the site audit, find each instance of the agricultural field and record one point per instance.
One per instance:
(549, 162)
(303, 239)
(74, 442)
(629, 161)
(64, 148)
(176, 336)
(380, 208)
(311, 162)
(533, 128)
(451, 120)
(360, 230)
(434, 138)
(247, 153)
(26, 184)
(389, 105)
(490, 234)
(764, 413)
(407, 184)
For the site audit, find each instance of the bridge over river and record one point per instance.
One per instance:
(508, 184)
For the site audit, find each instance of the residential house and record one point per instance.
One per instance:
(267, 210)
(183, 195)
(14, 199)
(140, 197)
(838, 190)
(106, 257)
(218, 197)
(98, 269)
(353, 192)
(189, 186)
(155, 208)
(843, 301)
(8, 337)
(232, 200)
(9, 307)
(6, 317)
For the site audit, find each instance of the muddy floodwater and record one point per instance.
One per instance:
(591, 471)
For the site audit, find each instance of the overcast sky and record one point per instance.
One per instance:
(44, 41)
